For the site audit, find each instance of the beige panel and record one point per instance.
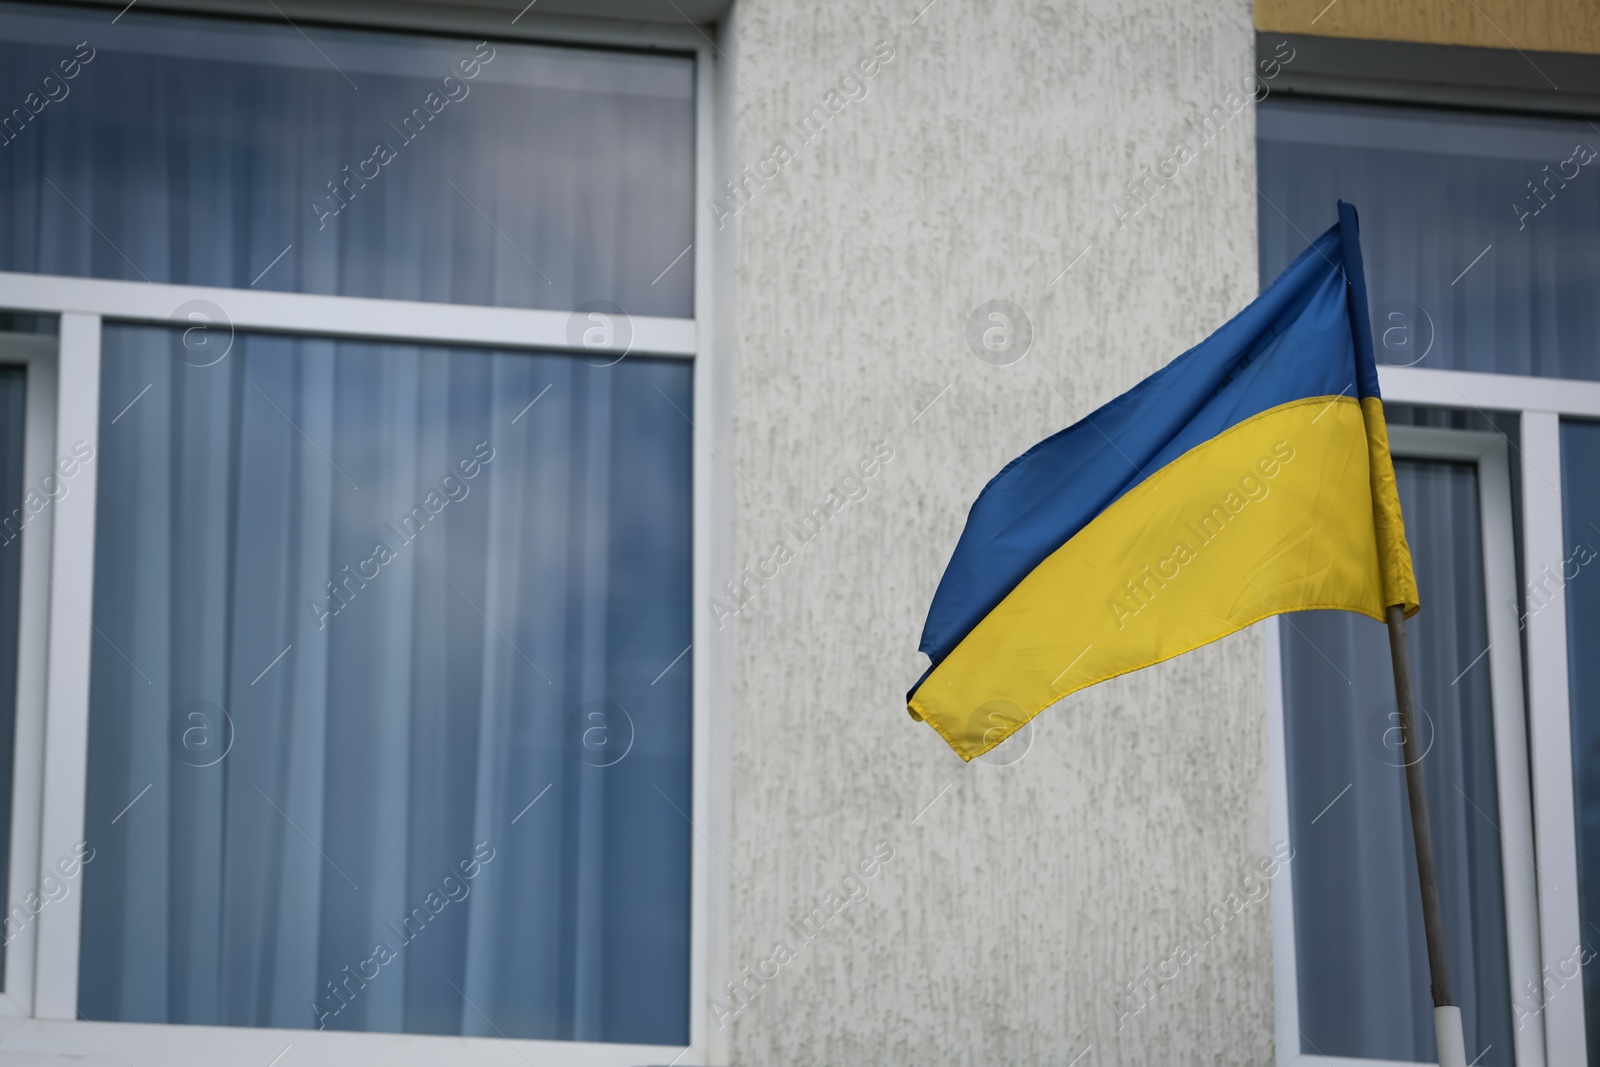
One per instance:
(983, 160)
(1529, 25)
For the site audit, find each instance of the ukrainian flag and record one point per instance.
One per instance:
(1249, 477)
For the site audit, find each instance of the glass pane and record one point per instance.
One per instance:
(1362, 957)
(1580, 495)
(23, 322)
(21, 506)
(1507, 424)
(1437, 190)
(241, 154)
(388, 670)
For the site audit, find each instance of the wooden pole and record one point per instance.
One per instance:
(1446, 1016)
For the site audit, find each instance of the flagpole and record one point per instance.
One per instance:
(1446, 1016)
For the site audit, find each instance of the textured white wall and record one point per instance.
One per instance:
(981, 161)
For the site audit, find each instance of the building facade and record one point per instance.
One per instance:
(481, 470)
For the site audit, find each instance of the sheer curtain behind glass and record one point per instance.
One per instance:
(1576, 577)
(1362, 958)
(1437, 189)
(358, 607)
(21, 506)
(241, 154)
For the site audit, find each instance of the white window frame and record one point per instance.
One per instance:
(1537, 816)
(36, 352)
(38, 1020)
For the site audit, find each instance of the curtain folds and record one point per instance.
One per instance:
(1477, 229)
(1580, 458)
(205, 152)
(407, 613)
(30, 500)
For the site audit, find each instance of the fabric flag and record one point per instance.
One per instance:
(1249, 477)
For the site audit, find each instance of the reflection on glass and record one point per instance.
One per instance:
(13, 412)
(245, 154)
(1577, 575)
(1477, 229)
(386, 632)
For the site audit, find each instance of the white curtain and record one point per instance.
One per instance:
(13, 487)
(403, 730)
(1480, 255)
(1580, 490)
(196, 151)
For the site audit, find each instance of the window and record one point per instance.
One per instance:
(376, 711)
(1358, 957)
(1482, 275)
